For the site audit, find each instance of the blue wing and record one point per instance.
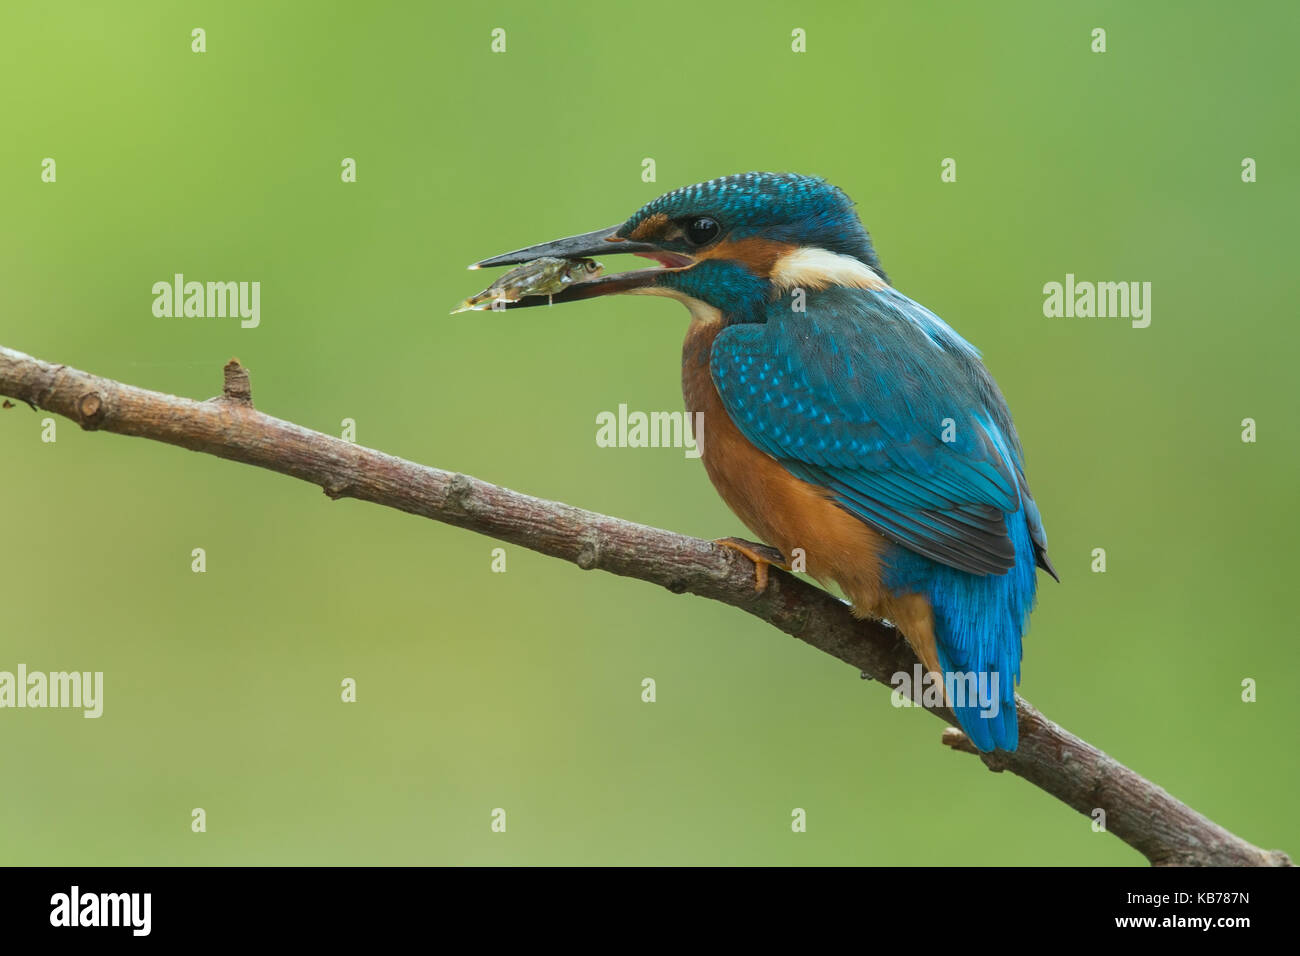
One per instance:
(873, 397)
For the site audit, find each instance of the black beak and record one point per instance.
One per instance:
(589, 245)
(586, 246)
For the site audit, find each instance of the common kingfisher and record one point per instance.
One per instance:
(843, 419)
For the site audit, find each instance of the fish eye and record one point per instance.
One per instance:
(702, 230)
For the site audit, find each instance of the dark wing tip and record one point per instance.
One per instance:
(1045, 563)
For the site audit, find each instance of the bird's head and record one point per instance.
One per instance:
(731, 243)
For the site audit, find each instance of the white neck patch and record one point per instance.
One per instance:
(701, 312)
(811, 267)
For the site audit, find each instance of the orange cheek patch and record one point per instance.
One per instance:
(648, 228)
(756, 255)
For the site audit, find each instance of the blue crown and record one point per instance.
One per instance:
(784, 207)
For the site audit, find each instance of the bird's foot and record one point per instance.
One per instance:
(762, 555)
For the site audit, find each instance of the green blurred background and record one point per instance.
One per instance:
(523, 690)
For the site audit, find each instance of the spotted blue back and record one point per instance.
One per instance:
(874, 398)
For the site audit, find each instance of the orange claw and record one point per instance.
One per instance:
(762, 556)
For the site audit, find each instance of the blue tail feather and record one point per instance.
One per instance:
(989, 727)
(978, 624)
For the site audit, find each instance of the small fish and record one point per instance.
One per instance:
(545, 276)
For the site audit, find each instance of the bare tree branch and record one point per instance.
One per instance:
(1143, 815)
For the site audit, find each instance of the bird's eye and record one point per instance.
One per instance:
(701, 230)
